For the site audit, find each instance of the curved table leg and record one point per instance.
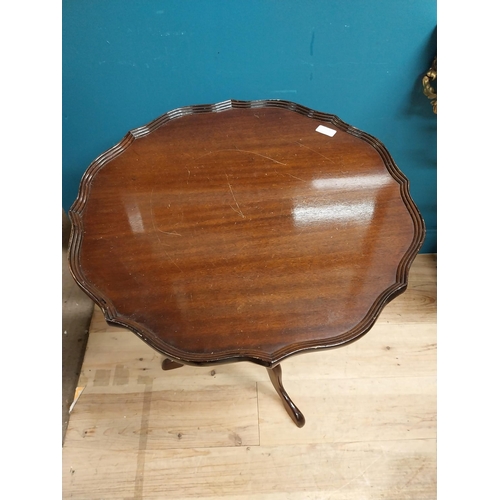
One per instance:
(292, 410)
(168, 364)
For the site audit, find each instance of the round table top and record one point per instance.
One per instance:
(244, 230)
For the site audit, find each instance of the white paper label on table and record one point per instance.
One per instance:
(326, 130)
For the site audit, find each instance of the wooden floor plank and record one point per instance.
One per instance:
(387, 350)
(389, 470)
(346, 410)
(181, 416)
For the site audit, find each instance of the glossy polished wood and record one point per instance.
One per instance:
(236, 231)
(168, 364)
(275, 374)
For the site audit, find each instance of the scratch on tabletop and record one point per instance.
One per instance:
(239, 212)
(159, 231)
(314, 151)
(241, 151)
(295, 177)
(263, 156)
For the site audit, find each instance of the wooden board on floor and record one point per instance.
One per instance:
(138, 432)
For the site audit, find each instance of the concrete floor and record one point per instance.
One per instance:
(77, 311)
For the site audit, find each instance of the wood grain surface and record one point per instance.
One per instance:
(236, 231)
(221, 432)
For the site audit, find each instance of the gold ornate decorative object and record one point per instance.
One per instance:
(429, 91)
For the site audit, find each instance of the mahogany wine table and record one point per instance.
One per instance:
(244, 231)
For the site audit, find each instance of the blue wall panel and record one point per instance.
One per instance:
(125, 63)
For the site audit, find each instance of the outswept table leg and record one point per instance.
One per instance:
(168, 364)
(292, 410)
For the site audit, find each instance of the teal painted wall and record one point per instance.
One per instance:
(127, 62)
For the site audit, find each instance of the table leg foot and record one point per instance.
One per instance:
(168, 364)
(292, 410)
